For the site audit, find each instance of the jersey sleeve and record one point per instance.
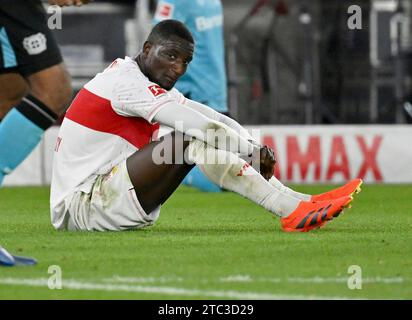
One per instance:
(135, 98)
(177, 96)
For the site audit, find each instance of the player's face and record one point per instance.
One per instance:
(167, 62)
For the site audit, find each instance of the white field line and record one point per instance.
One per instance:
(231, 294)
(251, 279)
(247, 278)
(119, 279)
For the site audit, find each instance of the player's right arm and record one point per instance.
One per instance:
(195, 124)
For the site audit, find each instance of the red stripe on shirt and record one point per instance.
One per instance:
(96, 113)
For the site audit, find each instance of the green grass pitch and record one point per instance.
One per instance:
(213, 246)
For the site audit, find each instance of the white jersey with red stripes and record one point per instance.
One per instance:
(110, 119)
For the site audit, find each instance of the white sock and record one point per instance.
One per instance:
(281, 187)
(233, 173)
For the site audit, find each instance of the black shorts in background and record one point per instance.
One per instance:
(27, 45)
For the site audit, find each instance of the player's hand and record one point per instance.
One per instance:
(267, 162)
(63, 3)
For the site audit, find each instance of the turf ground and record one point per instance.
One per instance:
(213, 246)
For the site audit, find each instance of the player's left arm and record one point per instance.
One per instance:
(63, 3)
(267, 157)
(217, 116)
(195, 124)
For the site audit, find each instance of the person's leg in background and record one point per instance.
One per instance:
(27, 108)
(197, 179)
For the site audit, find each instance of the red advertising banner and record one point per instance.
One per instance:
(334, 154)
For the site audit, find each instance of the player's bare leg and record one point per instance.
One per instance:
(155, 183)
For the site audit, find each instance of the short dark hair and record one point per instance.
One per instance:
(166, 28)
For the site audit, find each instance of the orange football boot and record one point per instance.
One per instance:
(348, 189)
(310, 214)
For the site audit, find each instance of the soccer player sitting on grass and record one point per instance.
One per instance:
(110, 172)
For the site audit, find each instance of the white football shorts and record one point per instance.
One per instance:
(111, 205)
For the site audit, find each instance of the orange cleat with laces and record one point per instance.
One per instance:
(310, 215)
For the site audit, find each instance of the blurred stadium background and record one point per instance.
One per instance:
(336, 103)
